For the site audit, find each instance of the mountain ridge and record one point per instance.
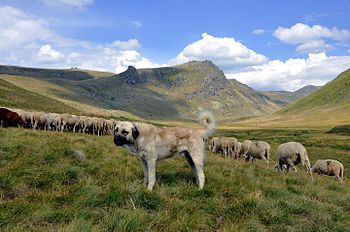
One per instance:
(176, 92)
(284, 98)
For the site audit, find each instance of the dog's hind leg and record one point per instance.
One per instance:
(200, 175)
(197, 157)
(191, 163)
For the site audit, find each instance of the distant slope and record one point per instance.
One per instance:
(284, 98)
(15, 97)
(41, 95)
(70, 74)
(327, 107)
(168, 93)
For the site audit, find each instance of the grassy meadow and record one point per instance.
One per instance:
(45, 187)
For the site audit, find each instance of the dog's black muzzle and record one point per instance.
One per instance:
(120, 140)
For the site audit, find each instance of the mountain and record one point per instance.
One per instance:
(327, 107)
(177, 92)
(71, 74)
(284, 98)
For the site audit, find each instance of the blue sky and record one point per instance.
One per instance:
(269, 45)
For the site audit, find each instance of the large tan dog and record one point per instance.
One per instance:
(151, 143)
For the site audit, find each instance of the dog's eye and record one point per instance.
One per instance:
(124, 132)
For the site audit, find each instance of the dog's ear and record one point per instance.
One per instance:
(135, 132)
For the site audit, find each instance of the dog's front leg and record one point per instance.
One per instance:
(151, 164)
(145, 170)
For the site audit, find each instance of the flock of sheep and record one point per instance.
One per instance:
(289, 155)
(57, 122)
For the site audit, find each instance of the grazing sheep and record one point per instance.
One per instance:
(57, 121)
(329, 167)
(64, 121)
(212, 142)
(87, 124)
(69, 122)
(109, 127)
(258, 150)
(39, 120)
(229, 145)
(52, 120)
(216, 145)
(97, 126)
(9, 118)
(26, 116)
(244, 147)
(73, 122)
(291, 154)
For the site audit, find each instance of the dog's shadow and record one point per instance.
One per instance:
(174, 178)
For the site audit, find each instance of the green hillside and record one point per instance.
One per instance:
(327, 107)
(335, 93)
(168, 93)
(15, 97)
(45, 187)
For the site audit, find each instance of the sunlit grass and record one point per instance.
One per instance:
(43, 186)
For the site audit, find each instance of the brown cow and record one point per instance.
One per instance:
(10, 118)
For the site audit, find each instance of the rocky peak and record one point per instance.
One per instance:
(130, 75)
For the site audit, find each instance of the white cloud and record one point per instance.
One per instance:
(259, 31)
(137, 23)
(47, 54)
(313, 46)
(18, 29)
(223, 51)
(68, 3)
(302, 33)
(311, 38)
(130, 44)
(109, 57)
(73, 57)
(293, 74)
(29, 41)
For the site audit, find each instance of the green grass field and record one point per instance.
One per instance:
(44, 187)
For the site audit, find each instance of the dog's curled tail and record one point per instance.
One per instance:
(207, 119)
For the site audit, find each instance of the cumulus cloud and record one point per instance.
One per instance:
(223, 51)
(18, 29)
(130, 44)
(29, 41)
(311, 38)
(313, 46)
(47, 54)
(293, 74)
(68, 3)
(259, 31)
(302, 33)
(112, 58)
